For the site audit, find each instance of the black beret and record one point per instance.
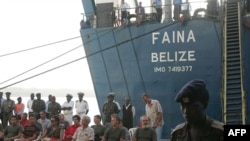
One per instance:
(194, 90)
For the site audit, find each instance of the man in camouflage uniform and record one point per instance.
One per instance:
(38, 105)
(7, 109)
(54, 108)
(194, 98)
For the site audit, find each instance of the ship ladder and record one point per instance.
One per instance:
(234, 104)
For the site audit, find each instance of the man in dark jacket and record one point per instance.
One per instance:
(194, 98)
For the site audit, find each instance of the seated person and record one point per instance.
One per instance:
(69, 132)
(145, 132)
(24, 121)
(1, 132)
(14, 130)
(31, 131)
(54, 132)
(98, 128)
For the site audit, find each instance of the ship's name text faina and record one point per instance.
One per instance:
(176, 37)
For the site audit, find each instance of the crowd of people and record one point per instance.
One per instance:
(50, 121)
(139, 11)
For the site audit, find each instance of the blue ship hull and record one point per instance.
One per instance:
(159, 59)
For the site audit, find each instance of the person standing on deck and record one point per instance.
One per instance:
(82, 106)
(38, 105)
(7, 109)
(1, 102)
(67, 108)
(109, 108)
(29, 103)
(124, 10)
(47, 105)
(154, 112)
(157, 4)
(54, 107)
(19, 108)
(140, 12)
(112, 94)
(128, 111)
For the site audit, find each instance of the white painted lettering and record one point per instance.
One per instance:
(177, 56)
(175, 37)
(165, 38)
(154, 34)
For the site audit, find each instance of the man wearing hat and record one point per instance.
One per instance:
(112, 96)
(7, 109)
(67, 108)
(194, 98)
(82, 106)
(109, 108)
(38, 105)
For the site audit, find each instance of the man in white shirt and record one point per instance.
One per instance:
(124, 10)
(82, 106)
(158, 6)
(67, 108)
(154, 112)
(30, 102)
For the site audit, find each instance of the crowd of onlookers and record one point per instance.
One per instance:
(49, 120)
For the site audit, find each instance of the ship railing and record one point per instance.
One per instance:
(170, 13)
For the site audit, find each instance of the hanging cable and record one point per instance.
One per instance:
(43, 72)
(38, 46)
(40, 65)
(87, 55)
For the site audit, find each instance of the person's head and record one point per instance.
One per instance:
(13, 120)
(145, 122)
(85, 121)
(110, 98)
(53, 99)
(8, 95)
(19, 99)
(115, 120)
(24, 116)
(1, 94)
(122, 1)
(97, 119)
(49, 97)
(146, 98)
(69, 97)
(54, 120)
(127, 101)
(32, 95)
(38, 96)
(42, 114)
(80, 95)
(32, 118)
(193, 98)
(140, 3)
(76, 119)
(61, 117)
